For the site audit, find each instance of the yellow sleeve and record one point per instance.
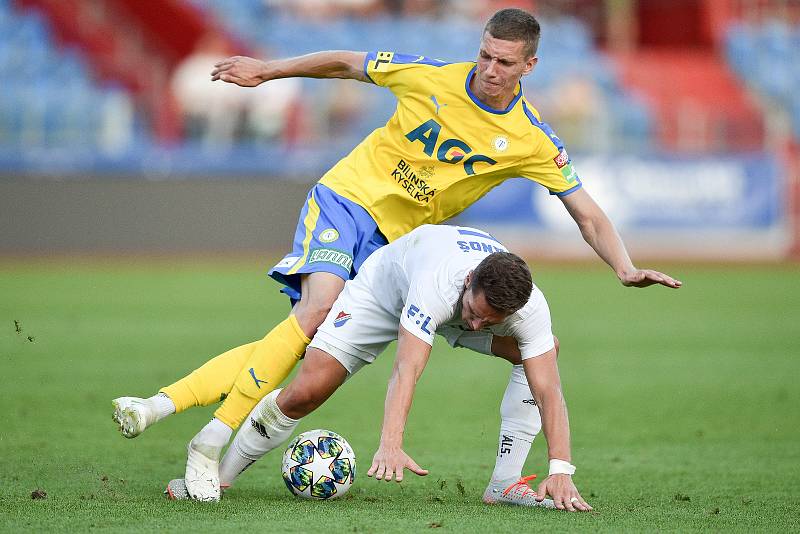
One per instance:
(398, 72)
(549, 163)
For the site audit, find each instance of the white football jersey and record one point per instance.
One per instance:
(419, 279)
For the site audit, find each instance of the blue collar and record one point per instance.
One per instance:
(484, 106)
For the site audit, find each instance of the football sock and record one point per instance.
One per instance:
(211, 382)
(269, 364)
(214, 434)
(265, 429)
(163, 405)
(520, 423)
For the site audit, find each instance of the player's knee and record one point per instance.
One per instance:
(319, 291)
(311, 312)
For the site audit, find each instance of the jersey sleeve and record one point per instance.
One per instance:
(549, 164)
(398, 72)
(534, 333)
(476, 341)
(425, 309)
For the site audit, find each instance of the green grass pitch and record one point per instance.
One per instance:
(684, 405)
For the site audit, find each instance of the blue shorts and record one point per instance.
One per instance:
(334, 235)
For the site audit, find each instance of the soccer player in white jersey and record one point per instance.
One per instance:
(459, 130)
(460, 283)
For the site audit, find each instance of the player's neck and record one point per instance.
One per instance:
(498, 102)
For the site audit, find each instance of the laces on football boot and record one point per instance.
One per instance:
(518, 493)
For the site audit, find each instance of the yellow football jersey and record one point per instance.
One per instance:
(443, 149)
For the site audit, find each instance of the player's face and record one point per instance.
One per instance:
(476, 312)
(500, 66)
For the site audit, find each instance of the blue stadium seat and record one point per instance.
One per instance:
(51, 101)
(566, 47)
(767, 59)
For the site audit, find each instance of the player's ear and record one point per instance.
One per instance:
(529, 65)
(468, 280)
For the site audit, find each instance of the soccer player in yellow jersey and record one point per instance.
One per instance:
(459, 130)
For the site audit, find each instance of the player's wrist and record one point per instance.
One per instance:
(392, 441)
(561, 467)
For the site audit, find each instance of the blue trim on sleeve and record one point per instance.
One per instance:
(483, 106)
(570, 190)
(543, 126)
(478, 234)
(405, 59)
(370, 56)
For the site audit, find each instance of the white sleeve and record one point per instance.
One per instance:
(534, 332)
(425, 308)
(477, 341)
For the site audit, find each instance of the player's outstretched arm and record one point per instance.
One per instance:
(390, 459)
(545, 384)
(601, 235)
(250, 72)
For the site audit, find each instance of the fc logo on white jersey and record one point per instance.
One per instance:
(329, 236)
(500, 143)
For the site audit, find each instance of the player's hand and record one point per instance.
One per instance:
(563, 492)
(241, 70)
(648, 277)
(390, 461)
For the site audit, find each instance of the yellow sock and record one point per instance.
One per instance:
(212, 382)
(270, 363)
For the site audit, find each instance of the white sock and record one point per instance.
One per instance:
(519, 425)
(265, 429)
(163, 405)
(214, 434)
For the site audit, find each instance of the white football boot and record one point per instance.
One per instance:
(133, 415)
(202, 472)
(176, 490)
(516, 493)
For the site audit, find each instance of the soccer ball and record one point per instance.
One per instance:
(319, 464)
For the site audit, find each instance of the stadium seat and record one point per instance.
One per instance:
(52, 101)
(767, 58)
(566, 47)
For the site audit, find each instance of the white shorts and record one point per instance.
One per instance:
(365, 329)
(358, 327)
(365, 319)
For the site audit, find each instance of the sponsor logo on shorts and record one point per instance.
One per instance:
(330, 255)
(329, 236)
(287, 262)
(562, 159)
(342, 318)
(532, 402)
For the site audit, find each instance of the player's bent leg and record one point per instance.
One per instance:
(211, 382)
(205, 385)
(278, 353)
(275, 417)
(519, 425)
(319, 377)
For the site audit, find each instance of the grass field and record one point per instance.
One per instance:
(684, 405)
